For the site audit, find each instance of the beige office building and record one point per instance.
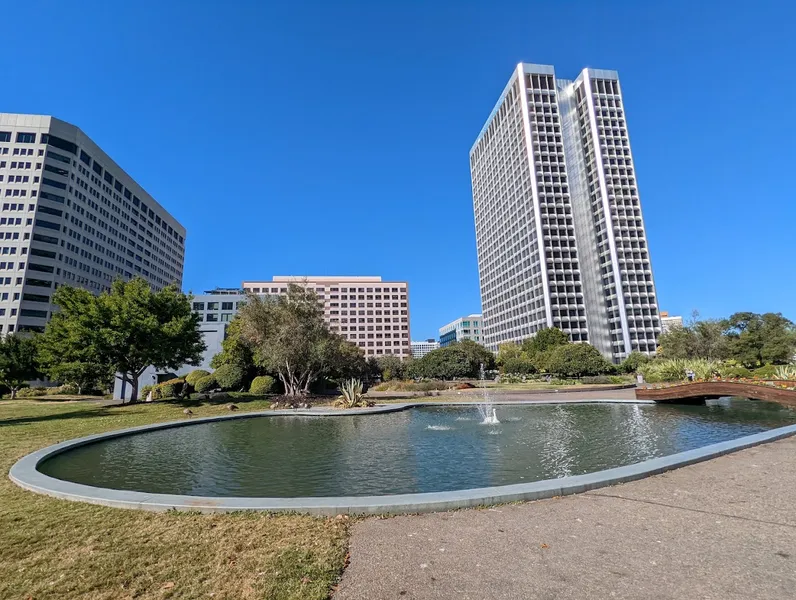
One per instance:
(367, 311)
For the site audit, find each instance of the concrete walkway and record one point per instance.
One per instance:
(723, 529)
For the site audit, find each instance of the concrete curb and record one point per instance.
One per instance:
(25, 474)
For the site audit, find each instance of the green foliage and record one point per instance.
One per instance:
(734, 371)
(18, 362)
(634, 361)
(458, 360)
(205, 384)
(785, 373)
(352, 394)
(194, 376)
(236, 351)
(287, 336)
(229, 377)
(412, 386)
(757, 340)
(263, 384)
(603, 379)
(512, 359)
(675, 369)
(169, 389)
(765, 372)
(127, 329)
(577, 360)
(545, 340)
(391, 367)
(145, 392)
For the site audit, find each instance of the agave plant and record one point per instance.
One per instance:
(352, 395)
(785, 373)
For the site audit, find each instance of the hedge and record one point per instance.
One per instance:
(262, 385)
(229, 377)
(205, 384)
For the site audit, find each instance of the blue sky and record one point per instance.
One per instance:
(332, 138)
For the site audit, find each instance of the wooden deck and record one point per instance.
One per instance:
(700, 391)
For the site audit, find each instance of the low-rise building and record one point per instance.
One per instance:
(420, 349)
(463, 328)
(369, 312)
(670, 322)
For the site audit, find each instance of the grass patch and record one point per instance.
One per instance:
(53, 548)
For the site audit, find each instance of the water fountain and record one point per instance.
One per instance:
(485, 408)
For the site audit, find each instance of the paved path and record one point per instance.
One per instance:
(723, 529)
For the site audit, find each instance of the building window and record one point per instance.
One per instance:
(212, 318)
(198, 305)
(212, 306)
(26, 138)
(226, 306)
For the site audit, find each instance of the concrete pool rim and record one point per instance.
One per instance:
(25, 473)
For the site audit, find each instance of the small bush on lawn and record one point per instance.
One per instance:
(67, 389)
(194, 376)
(170, 389)
(144, 392)
(205, 384)
(263, 384)
(229, 377)
(33, 392)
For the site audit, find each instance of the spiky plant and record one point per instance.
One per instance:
(786, 373)
(352, 396)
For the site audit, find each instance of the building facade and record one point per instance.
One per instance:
(369, 312)
(560, 236)
(463, 328)
(420, 349)
(670, 322)
(70, 215)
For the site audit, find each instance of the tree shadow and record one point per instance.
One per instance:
(100, 411)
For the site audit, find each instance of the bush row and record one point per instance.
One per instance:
(226, 377)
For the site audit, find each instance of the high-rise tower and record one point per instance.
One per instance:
(560, 236)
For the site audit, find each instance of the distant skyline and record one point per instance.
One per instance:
(333, 139)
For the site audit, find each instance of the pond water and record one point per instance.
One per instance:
(426, 449)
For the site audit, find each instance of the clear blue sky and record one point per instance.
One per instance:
(332, 137)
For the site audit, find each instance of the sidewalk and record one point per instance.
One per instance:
(724, 529)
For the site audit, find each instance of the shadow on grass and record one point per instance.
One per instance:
(100, 411)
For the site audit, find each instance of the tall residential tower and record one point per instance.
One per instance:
(560, 236)
(71, 215)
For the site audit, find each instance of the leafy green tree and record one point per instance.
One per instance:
(577, 360)
(18, 362)
(236, 351)
(545, 340)
(288, 337)
(455, 361)
(755, 339)
(634, 361)
(477, 355)
(346, 360)
(127, 329)
(512, 359)
(67, 352)
(391, 367)
(697, 339)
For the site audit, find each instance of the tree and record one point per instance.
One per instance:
(512, 359)
(18, 363)
(127, 329)
(237, 352)
(756, 339)
(391, 367)
(288, 336)
(67, 352)
(634, 361)
(697, 339)
(457, 360)
(346, 361)
(545, 340)
(477, 355)
(577, 360)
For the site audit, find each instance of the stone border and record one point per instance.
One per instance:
(25, 474)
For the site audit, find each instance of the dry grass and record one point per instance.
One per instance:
(57, 549)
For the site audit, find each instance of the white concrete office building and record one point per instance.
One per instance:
(420, 349)
(559, 231)
(469, 327)
(71, 215)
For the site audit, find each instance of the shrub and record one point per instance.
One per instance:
(786, 373)
(144, 392)
(262, 385)
(69, 389)
(194, 376)
(576, 360)
(765, 372)
(33, 392)
(205, 384)
(229, 377)
(170, 389)
(733, 371)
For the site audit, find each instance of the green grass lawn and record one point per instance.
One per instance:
(53, 548)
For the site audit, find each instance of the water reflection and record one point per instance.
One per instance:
(420, 450)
